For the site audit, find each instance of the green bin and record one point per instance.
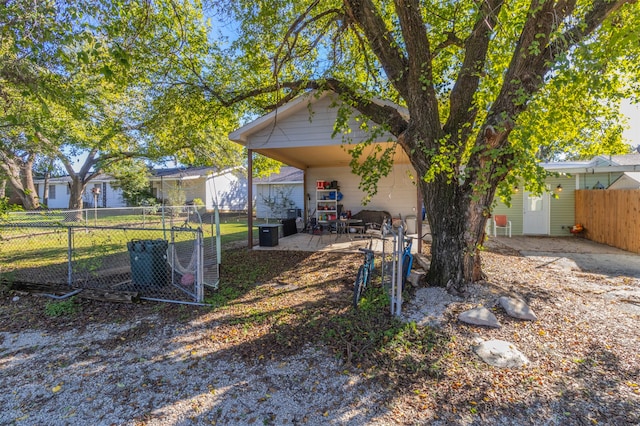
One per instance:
(148, 262)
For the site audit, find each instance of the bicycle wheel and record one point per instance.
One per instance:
(358, 287)
(406, 265)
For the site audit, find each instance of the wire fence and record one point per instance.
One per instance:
(168, 255)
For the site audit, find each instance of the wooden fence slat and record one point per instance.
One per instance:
(610, 217)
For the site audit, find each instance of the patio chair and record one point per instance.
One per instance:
(501, 221)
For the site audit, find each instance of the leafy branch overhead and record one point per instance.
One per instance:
(470, 79)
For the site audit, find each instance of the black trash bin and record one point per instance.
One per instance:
(268, 234)
(289, 227)
(148, 262)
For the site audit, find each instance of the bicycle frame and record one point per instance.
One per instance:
(363, 277)
(407, 260)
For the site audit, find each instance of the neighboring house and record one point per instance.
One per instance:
(300, 134)
(280, 195)
(227, 188)
(549, 214)
(59, 191)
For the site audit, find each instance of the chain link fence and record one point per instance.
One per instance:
(169, 254)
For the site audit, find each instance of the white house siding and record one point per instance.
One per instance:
(397, 193)
(109, 196)
(301, 129)
(269, 191)
(60, 200)
(182, 191)
(229, 191)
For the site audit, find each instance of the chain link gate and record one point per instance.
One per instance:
(172, 265)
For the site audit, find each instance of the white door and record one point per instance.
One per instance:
(536, 214)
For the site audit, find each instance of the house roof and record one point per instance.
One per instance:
(156, 174)
(180, 172)
(287, 174)
(598, 164)
(301, 133)
(628, 180)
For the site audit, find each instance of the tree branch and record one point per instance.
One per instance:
(461, 109)
(364, 14)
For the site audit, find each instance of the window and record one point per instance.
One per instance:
(52, 192)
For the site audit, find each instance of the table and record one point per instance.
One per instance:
(343, 226)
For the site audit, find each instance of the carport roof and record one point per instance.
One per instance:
(330, 153)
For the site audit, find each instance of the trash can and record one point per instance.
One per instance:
(268, 234)
(148, 262)
(411, 224)
(289, 227)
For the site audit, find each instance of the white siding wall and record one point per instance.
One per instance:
(295, 192)
(304, 129)
(397, 193)
(109, 196)
(61, 199)
(228, 190)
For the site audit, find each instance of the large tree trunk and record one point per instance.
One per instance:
(20, 176)
(76, 191)
(457, 218)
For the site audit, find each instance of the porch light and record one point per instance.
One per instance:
(598, 185)
(516, 189)
(559, 188)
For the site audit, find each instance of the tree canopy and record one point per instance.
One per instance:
(103, 80)
(491, 88)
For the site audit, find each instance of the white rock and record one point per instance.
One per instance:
(500, 354)
(16, 298)
(517, 308)
(416, 277)
(479, 316)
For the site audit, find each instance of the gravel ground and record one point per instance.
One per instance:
(137, 373)
(259, 360)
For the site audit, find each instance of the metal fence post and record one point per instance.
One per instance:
(199, 267)
(399, 272)
(69, 256)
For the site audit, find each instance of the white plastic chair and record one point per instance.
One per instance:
(501, 221)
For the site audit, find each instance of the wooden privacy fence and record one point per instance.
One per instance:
(610, 216)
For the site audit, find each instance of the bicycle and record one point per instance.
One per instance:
(364, 275)
(407, 260)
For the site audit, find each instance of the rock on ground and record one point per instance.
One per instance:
(500, 353)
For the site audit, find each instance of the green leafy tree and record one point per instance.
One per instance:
(132, 177)
(473, 76)
(98, 80)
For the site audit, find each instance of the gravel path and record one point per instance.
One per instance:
(167, 376)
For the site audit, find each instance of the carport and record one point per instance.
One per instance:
(302, 134)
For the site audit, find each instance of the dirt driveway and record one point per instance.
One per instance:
(577, 254)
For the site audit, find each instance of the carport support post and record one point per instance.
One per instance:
(250, 197)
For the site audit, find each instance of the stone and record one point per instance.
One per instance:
(416, 277)
(479, 316)
(500, 353)
(517, 308)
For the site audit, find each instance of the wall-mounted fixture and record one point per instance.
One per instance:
(516, 189)
(598, 185)
(559, 188)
